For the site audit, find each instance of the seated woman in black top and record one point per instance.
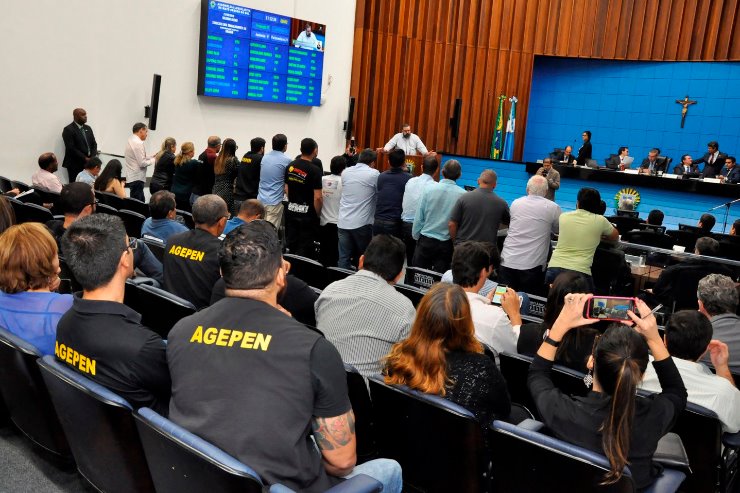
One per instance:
(443, 357)
(576, 347)
(611, 419)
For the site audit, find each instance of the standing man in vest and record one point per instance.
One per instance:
(79, 144)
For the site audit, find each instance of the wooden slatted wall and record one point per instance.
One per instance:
(412, 58)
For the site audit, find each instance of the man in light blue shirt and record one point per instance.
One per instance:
(357, 208)
(431, 224)
(272, 180)
(414, 188)
(91, 171)
(161, 225)
(250, 210)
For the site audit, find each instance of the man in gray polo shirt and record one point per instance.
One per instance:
(533, 220)
(478, 213)
(718, 299)
(363, 315)
(357, 208)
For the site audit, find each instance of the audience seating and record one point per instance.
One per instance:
(526, 460)
(46, 197)
(5, 185)
(160, 310)
(27, 399)
(334, 274)
(133, 221)
(22, 187)
(66, 274)
(102, 208)
(421, 278)
(137, 206)
(412, 293)
(100, 428)
(624, 224)
(111, 199)
(30, 213)
(187, 218)
(611, 273)
(686, 239)
(309, 271)
(363, 409)
(729, 246)
(649, 238)
(440, 445)
(156, 246)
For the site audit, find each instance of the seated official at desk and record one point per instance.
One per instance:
(730, 173)
(619, 160)
(652, 164)
(686, 167)
(565, 156)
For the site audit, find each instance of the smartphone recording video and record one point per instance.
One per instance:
(609, 308)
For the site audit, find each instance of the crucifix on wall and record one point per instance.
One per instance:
(685, 102)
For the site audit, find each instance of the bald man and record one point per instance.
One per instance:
(478, 214)
(79, 143)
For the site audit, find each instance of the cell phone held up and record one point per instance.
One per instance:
(609, 308)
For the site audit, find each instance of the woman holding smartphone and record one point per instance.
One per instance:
(611, 419)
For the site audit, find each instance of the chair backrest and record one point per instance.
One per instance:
(100, 428)
(156, 246)
(412, 293)
(133, 221)
(515, 369)
(137, 206)
(31, 213)
(111, 199)
(181, 461)
(187, 218)
(309, 271)
(440, 445)
(610, 272)
(526, 460)
(536, 308)
(362, 406)
(160, 310)
(102, 208)
(729, 246)
(334, 274)
(5, 185)
(20, 185)
(686, 239)
(624, 224)
(26, 397)
(421, 278)
(649, 238)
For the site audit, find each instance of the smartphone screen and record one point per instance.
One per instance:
(500, 290)
(610, 308)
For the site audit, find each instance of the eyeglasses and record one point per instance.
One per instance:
(132, 244)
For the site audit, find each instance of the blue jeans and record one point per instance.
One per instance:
(386, 471)
(352, 244)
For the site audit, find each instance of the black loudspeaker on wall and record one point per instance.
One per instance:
(349, 124)
(455, 120)
(153, 108)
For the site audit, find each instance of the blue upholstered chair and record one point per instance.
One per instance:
(26, 397)
(160, 310)
(526, 460)
(100, 428)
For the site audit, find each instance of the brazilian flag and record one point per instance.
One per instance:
(498, 137)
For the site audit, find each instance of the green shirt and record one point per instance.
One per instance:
(580, 234)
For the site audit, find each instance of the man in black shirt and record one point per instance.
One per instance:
(99, 336)
(248, 173)
(206, 176)
(191, 258)
(389, 199)
(263, 380)
(303, 186)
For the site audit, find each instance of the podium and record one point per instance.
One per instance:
(414, 163)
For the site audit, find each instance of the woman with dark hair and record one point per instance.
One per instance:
(186, 172)
(577, 344)
(7, 215)
(164, 166)
(110, 180)
(442, 356)
(29, 275)
(584, 152)
(610, 419)
(225, 170)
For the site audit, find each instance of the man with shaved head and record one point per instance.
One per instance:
(478, 214)
(79, 143)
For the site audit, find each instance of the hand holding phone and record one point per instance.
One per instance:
(609, 308)
(496, 296)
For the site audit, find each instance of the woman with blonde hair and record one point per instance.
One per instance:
(442, 356)
(225, 168)
(164, 166)
(186, 172)
(29, 275)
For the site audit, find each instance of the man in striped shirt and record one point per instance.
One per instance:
(363, 315)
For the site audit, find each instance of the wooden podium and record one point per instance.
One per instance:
(414, 163)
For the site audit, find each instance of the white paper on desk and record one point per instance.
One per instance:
(711, 180)
(668, 175)
(628, 160)
(632, 171)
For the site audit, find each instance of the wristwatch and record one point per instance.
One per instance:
(552, 342)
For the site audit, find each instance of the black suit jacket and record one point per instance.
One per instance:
(613, 162)
(719, 163)
(76, 148)
(678, 170)
(560, 157)
(584, 153)
(658, 166)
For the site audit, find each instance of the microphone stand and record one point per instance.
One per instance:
(727, 206)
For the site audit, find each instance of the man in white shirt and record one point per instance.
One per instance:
(307, 40)
(688, 335)
(137, 161)
(331, 189)
(534, 219)
(495, 326)
(411, 196)
(408, 142)
(45, 178)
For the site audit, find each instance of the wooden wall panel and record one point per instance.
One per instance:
(413, 58)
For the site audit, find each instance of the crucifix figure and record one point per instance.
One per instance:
(685, 102)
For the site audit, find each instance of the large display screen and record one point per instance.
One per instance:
(250, 54)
